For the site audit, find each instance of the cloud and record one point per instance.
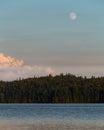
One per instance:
(73, 16)
(7, 61)
(12, 68)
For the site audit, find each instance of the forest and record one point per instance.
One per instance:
(61, 88)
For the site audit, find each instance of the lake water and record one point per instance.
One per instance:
(51, 117)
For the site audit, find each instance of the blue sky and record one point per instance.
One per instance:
(42, 33)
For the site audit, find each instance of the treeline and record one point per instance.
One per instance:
(53, 89)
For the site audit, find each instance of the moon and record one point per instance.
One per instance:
(73, 16)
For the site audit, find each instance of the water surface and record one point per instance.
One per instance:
(51, 117)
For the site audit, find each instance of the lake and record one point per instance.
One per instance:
(51, 117)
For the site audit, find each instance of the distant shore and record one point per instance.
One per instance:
(53, 89)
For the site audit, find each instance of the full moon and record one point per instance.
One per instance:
(73, 16)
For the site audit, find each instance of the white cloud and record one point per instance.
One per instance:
(73, 16)
(12, 68)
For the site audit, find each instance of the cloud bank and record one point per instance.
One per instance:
(12, 68)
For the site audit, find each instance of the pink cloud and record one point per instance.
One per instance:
(50, 70)
(7, 61)
(12, 68)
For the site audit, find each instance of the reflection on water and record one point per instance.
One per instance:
(53, 125)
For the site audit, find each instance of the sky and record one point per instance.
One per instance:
(41, 37)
